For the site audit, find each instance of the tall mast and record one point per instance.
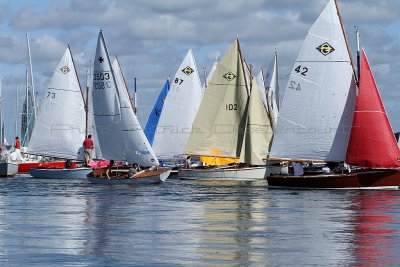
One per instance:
(242, 63)
(278, 83)
(345, 37)
(126, 86)
(87, 101)
(358, 54)
(31, 74)
(16, 108)
(135, 97)
(26, 111)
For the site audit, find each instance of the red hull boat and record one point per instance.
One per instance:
(25, 167)
(359, 179)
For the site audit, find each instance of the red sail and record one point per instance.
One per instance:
(372, 142)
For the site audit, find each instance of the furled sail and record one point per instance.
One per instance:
(272, 82)
(317, 111)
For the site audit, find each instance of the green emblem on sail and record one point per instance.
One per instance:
(325, 49)
(188, 70)
(229, 76)
(65, 69)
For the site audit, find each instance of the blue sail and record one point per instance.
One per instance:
(156, 113)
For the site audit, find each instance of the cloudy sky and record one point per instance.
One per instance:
(152, 37)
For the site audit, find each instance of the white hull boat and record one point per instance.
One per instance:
(78, 173)
(8, 169)
(225, 173)
(158, 175)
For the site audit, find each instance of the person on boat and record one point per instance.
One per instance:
(134, 169)
(109, 168)
(88, 145)
(68, 164)
(17, 147)
(188, 162)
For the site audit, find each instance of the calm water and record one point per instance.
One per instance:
(187, 223)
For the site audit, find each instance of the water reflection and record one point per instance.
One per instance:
(376, 240)
(193, 223)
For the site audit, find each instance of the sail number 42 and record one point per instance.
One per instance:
(294, 86)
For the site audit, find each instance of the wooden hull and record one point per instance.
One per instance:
(8, 169)
(78, 173)
(26, 166)
(226, 173)
(360, 179)
(145, 177)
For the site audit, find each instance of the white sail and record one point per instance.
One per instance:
(317, 111)
(272, 88)
(60, 126)
(179, 110)
(136, 146)
(210, 74)
(261, 86)
(119, 134)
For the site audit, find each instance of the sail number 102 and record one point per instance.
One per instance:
(231, 107)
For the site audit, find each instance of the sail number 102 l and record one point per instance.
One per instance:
(231, 107)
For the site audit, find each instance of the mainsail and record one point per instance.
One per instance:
(118, 130)
(155, 113)
(317, 111)
(372, 143)
(60, 126)
(179, 111)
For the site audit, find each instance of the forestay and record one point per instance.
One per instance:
(317, 110)
(179, 110)
(60, 126)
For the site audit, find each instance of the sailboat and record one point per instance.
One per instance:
(231, 126)
(119, 133)
(179, 111)
(60, 126)
(155, 113)
(8, 167)
(316, 120)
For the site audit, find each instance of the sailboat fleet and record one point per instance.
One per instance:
(330, 131)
